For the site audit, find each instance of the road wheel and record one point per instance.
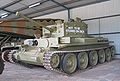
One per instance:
(69, 63)
(93, 58)
(55, 60)
(107, 54)
(113, 51)
(101, 56)
(82, 60)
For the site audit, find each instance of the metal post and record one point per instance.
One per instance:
(69, 15)
(99, 27)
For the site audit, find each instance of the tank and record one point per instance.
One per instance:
(64, 47)
(2, 42)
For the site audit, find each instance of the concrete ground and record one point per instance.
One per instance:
(104, 72)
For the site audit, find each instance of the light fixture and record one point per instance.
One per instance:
(33, 5)
(3, 16)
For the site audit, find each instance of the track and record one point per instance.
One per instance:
(60, 65)
(48, 56)
(1, 66)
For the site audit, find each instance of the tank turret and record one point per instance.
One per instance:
(64, 47)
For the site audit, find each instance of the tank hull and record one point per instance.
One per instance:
(65, 54)
(36, 57)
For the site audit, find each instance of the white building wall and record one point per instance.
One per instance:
(107, 25)
(96, 10)
(58, 15)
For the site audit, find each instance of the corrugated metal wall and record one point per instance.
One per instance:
(96, 10)
(107, 25)
(58, 15)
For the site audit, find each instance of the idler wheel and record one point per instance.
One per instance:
(93, 58)
(55, 60)
(8, 56)
(5, 55)
(101, 56)
(69, 63)
(107, 54)
(113, 51)
(82, 60)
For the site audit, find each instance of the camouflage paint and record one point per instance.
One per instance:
(29, 31)
(7, 29)
(24, 27)
(17, 26)
(14, 30)
(21, 30)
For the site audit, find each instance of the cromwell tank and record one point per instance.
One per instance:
(64, 47)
